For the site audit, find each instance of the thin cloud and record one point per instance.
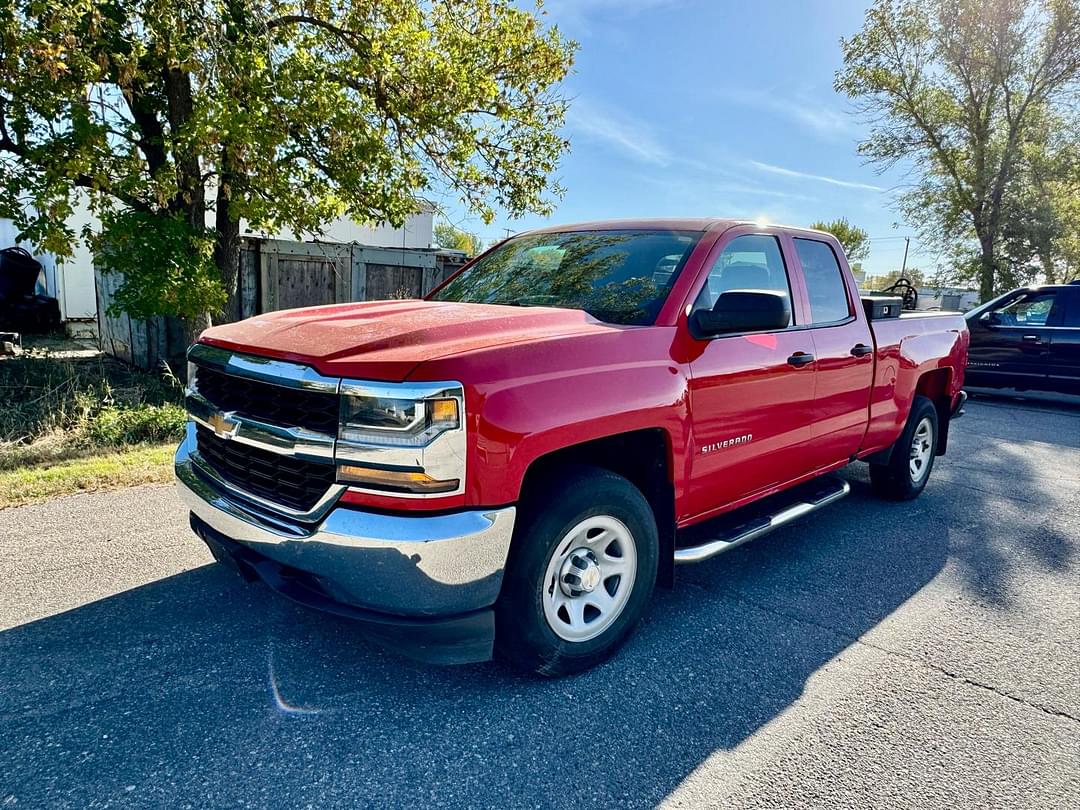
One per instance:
(821, 119)
(832, 181)
(741, 188)
(814, 115)
(631, 137)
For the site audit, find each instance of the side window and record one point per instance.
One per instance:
(751, 262)
(824, 281)
(1072, 310)
(1031, 309)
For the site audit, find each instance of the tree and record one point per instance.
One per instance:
(172, 114)
(953, 88)
(854, 239)
(1041, 220)
(447, 236)
(886, 280)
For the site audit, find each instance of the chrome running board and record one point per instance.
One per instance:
(801, 502)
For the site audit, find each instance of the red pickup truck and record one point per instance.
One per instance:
(510, 465)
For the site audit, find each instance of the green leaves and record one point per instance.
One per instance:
(854, 239)
(955, 90)
(447, 236)
(282, 115)
(167, 266)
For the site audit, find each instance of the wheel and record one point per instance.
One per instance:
(912, 459)
(580, 573)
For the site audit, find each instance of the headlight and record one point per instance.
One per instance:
(389, 421)
(405, 439)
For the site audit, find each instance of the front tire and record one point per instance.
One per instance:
(580, 574)
(905, 475)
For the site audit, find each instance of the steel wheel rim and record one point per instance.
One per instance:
(922, 450)
(589, 613)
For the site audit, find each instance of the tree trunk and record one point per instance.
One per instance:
(227, 247)
(1047, 262)
(227, 259)
(193, 327)
(987, 268)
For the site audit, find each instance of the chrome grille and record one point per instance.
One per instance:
(266, 402)
(278, 478)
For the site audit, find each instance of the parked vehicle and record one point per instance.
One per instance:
(511, 464)
(1028, 338)
(21, 309)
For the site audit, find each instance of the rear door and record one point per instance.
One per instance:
(843, 351)
(751, 395)
(1063, 368)
(1010, 343)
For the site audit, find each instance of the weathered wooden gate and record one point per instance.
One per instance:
(302, 274)
(279, 274)
(143, 342)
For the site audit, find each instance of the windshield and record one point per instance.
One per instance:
(620, 277)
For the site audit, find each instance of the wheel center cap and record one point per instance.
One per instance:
(590, 578)
(580, 573)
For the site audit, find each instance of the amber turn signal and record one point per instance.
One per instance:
(419, 483)
(443, 412)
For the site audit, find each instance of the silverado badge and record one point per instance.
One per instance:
(726, 443)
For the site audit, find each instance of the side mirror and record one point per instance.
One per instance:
(990, 318)
(743, 311)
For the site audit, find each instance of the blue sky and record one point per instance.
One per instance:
(699, 108)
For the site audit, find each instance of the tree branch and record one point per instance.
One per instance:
(357, 41)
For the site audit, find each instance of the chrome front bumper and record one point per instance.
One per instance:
(404, 565)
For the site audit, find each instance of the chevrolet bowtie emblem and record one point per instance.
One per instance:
(223, 425)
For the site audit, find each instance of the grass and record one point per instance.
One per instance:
(128, 467)
(77, 424)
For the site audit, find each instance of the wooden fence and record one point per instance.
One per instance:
(278, 274)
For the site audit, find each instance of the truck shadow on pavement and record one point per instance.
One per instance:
(198, 689)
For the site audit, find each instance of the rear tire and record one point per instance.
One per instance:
(908, 469)
(580, 573)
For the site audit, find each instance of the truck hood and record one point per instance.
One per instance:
(387, 340)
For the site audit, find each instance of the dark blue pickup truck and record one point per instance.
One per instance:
(1027, 339)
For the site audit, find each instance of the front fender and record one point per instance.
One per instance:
(530, 399)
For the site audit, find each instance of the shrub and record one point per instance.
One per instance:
(113, 426)
(74, 405)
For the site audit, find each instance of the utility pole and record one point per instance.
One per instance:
(907, 244)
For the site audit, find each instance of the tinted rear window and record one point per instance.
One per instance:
(824, 281)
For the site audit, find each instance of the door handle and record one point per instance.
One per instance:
(1031, 339)
(861, 350)
(800, 359)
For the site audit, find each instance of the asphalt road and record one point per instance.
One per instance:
(875, 654)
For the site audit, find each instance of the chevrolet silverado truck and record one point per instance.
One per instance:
(509, 466)
(1028, 338)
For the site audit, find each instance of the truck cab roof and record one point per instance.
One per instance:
(669, 223)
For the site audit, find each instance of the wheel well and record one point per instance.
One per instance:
(644, 458)
(934, 385)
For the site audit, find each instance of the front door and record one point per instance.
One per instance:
(751, 395)
(1010, 344)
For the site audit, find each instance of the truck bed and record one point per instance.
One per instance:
(926, 346)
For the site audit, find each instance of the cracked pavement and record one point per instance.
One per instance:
(872, 655)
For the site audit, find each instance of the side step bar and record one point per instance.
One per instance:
(826, 491)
